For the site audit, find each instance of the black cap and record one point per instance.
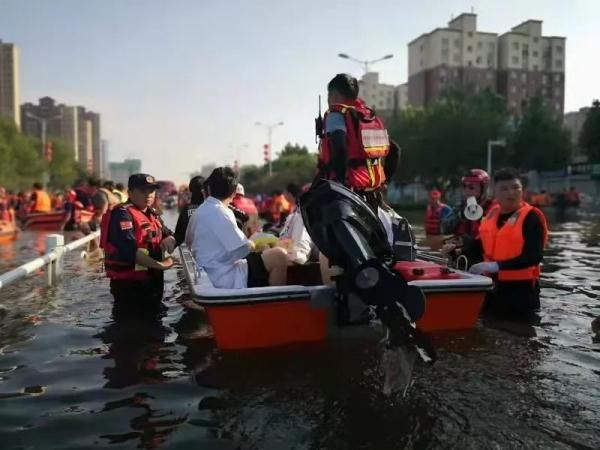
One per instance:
(142, 180)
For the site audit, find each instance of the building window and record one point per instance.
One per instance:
(535, 67)
(445, 42)
(536, 39)
(455, 73)
(456, 58)
(478, 60)
(524, 77)
(421, 48)
(516, 45)
(558, 63)
(470, 34)
(480, 45)
(513, 104)
(469, 48)
(559, 49)
(556, 78)
(544, 79)
(469, 63)
(513, 75)
(442, 80)
(515, 60)
(489, 75)
(457, 42)
(534, 54)
(557, 106)
(513, 89)
(557, 92)
(544, 91)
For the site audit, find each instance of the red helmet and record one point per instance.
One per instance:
(71, 196)
(476, 176)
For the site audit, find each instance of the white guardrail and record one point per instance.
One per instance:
(54, 259)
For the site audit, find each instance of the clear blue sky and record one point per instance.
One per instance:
(180, 83)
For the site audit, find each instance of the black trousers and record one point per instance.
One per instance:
(141, 299)
(519, 300)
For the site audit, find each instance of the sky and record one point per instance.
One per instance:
(181, 83)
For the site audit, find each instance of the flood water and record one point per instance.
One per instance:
(70, 378)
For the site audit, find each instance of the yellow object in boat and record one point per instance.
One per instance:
(263, 241)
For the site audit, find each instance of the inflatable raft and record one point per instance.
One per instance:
(50, 221)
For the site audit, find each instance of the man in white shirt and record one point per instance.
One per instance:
(220, 247)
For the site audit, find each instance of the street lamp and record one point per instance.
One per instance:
(490, 146)
(270, 127)
(44, 124)
(365, 63)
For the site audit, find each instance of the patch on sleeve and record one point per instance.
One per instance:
(126, 225)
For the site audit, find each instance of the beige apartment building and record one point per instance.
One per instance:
(9, 83)
(518, 65)
(384, 98)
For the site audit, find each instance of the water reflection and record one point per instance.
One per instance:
(100, 381)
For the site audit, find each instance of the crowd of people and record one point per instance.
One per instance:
(224, 228)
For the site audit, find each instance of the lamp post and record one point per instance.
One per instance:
(270, 127)
(490, 146)
(365, 63)
(44, 125)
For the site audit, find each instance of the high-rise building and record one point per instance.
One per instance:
(573, 122)
(529, 65)
(384, 98)
(518, 65)
(60, 121)
(9, 83)
(120, 171)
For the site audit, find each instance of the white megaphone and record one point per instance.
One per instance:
(473, 211)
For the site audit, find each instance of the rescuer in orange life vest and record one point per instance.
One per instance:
(134, 240)
(512, 236)
(354, 143)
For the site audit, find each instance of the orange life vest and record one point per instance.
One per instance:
(4, 211)
(148, 235)
(42, 202)
(367, 143)
(507, 242)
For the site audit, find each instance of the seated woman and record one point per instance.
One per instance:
(223, 250)
(293, 236)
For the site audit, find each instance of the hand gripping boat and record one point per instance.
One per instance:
(352, 237)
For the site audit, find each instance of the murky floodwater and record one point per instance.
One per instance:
(70, 378)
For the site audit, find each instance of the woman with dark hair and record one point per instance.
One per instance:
(196, 187)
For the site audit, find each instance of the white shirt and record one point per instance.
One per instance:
(219, 246)
(295, 230)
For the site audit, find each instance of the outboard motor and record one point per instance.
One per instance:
(350, 235)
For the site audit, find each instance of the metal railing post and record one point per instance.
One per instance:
(55, 243)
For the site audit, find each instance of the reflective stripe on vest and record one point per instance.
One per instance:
(367, 142)
(507, 242)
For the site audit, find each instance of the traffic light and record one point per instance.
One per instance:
(266, 153)
(48, 152)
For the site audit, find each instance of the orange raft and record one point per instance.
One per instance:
(8, 231)
(275, 316)
(50, 221)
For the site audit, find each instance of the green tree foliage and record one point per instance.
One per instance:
(22, 162)
(294, 164)
(443, 141)
(589, 139)
(539, 142)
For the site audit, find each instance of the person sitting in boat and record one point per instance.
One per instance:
(435, 213)
(223, 250)
(464, 230)
(243, 203)
(573, 197)
(40, 200)
(4, 206)
(293, 236)
(512, 236)
(196, 187)
(72, 211)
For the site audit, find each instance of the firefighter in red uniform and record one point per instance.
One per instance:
(354, 142)
(134, 240)
(512, 237)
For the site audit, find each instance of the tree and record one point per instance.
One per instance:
(63, 168)
(589, 139)
(540, 142)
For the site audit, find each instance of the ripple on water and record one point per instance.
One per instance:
(72, 378)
